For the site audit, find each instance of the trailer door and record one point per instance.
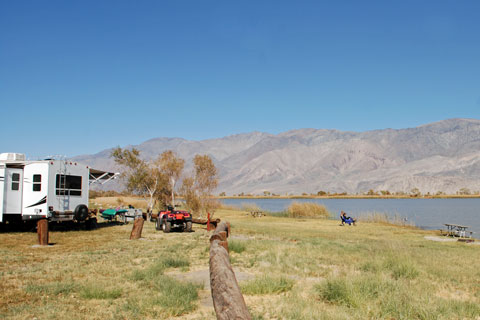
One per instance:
(12, 200)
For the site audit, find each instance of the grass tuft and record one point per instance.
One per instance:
(176, 297)
(279, 214)
(267, 285)
(337, 291)
(385, 219)
(237, 246)
(159, 267)
(95, 292)
(56, 288)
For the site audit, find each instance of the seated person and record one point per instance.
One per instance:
(346, 219)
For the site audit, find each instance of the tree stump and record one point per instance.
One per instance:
(42, 231)
(227, 298)
(137, 228)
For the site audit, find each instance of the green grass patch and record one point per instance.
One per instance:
(56, 288)
(279, 214)
(353, 291)
(159, 266)
(175, 297)
(267, 285)
(237, 246)
(96, 292)
(401, 268)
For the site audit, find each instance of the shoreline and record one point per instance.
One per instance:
(353, 197)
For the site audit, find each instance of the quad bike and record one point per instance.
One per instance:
(174, 219)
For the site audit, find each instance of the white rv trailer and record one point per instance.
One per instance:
(53, 189)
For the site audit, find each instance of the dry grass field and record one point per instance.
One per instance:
(287, 268)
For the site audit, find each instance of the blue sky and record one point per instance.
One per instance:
(77, 77)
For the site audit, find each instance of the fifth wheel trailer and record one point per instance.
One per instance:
(53, 189)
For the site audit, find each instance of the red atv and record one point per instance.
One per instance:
(178, 219)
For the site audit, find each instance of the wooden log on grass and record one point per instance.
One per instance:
(204, 221)
(227, 298)
(137, 228)
(42, 232)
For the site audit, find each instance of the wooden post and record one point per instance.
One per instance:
(209, 227)
(42, 231)
(137, 228)
(227, 297)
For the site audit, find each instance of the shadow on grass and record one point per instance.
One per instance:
(65, 226)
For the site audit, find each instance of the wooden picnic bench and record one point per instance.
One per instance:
(256, 214)
(455, 230)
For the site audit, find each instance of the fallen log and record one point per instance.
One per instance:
(137, 228)
(204, 221)
(227, 298)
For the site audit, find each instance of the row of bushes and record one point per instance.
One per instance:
(295, 210)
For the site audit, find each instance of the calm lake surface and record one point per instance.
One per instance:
(424, 213)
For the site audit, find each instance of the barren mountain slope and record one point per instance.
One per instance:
(442, 156)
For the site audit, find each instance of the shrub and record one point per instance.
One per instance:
(307, 209)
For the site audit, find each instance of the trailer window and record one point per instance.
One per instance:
(37, 182)
(15, 181)
(68, 185)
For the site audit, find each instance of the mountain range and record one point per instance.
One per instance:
(438, 157)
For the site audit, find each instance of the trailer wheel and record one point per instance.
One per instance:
(167, 226)
(189, 226)
(81, 212)
(158, 224)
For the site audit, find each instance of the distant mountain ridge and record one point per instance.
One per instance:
(442, 156)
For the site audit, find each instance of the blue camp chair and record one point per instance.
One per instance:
(347, 220)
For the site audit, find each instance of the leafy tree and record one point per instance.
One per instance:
(197, 189)
(321, 193)
(142, 177)
(171, 166)
(464, 191)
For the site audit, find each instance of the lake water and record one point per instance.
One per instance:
(424, 213)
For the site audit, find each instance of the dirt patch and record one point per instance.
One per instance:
(202, 276)
(440, 239)
(240, 237)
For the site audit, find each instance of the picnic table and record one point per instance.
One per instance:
(456, 230)
(256, 214)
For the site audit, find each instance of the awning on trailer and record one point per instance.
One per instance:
(101, 177)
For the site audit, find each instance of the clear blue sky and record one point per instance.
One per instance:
(77, 77)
